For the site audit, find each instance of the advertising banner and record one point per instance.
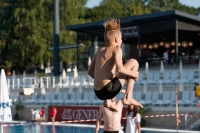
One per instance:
(68, 113)
(129, 32)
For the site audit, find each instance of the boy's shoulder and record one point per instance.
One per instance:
(114, 49)
(117, 49)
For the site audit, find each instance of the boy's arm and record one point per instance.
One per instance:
(120, 105)
(120, 66)
(91, 67)
(99, 119)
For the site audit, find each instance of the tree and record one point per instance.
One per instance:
(188, 9)
(71, 12)
(161, 5)
(116, 9)
(165, 5)
(27, 30)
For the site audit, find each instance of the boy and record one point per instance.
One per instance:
(107, 84)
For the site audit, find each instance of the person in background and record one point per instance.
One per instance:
(197, 93)
(166, 57)
(53, 114)
(112, 119)
(133, 120)
(42, 116)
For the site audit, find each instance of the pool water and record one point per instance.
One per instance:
(48, 129)
(55, 129)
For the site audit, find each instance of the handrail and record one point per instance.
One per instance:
(187, 120)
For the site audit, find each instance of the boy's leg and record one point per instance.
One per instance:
(128, 95)
(132, 65)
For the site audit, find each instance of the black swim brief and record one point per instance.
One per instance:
(110, 90)
(111, 132)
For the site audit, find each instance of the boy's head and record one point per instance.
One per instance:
(112, 33)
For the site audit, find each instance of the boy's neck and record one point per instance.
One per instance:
(111, 45)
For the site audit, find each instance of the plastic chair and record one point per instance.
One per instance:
(91, 98)
(166, 78)
(30, 101)
(59, 98)
(185, 96)
(85, 99)
(147, 100)
(165, 98)
(72, 98)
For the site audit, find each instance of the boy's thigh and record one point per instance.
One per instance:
(122, 78)
(131, 64)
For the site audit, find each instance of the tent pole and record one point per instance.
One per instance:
(2, 127)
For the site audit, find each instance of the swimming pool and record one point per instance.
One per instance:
(67, 128)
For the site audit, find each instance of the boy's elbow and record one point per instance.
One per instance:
(90, 73)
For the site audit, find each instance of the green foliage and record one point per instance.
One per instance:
(124, 8)
(165, 5)
(143, 110)
(26, 30)
(8, 64)
(71, 12)
(41, 75)
(18, 106)
(116, 9)
(162, 5)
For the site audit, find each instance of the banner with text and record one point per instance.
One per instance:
(66, 113)
(129, 32)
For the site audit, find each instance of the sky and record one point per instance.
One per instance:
(194, 3)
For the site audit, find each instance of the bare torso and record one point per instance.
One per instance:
(112, 120)
(104, 67)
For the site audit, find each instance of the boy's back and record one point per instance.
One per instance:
(105, 66)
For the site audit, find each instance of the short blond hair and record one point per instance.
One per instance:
(112, 29)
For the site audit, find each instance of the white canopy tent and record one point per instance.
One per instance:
(146, 68)
(5, 111)
(162, 69)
